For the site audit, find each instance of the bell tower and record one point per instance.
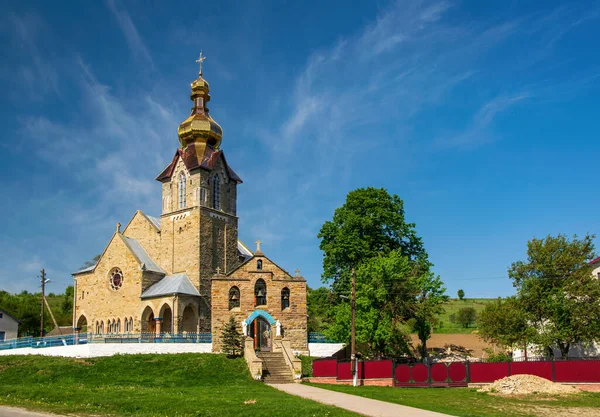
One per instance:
(199, 224)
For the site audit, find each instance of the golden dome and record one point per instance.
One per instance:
(199, 128)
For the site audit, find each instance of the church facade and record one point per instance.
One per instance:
(186, 271)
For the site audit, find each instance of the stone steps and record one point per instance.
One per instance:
(275, 369)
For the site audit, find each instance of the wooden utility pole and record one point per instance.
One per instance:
(43, 277)
(354, 363)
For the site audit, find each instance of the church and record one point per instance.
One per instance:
(186, 272)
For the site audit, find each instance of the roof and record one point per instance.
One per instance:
(595, 261)
(244, 251)
(10, 315)
(86, 269)
(155, 221)
(190, 160)
(170, 285)
(60, 330)
(146, 262)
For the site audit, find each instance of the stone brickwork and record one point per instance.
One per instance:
(144, 231)
(95, 299)
(293, 318)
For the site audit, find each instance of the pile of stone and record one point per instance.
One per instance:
(527, 384)
(453, 353)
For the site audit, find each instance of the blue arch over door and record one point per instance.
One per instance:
(260, 313)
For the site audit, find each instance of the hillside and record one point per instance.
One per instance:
(147, 385)
(452, 307)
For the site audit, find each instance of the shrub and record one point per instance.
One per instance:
(466, 316)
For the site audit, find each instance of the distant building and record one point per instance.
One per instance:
(596, 267)
(9, 326)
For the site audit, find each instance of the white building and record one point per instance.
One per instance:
(9, 326)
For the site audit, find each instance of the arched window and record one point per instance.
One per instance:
(131, 324)
(182, 190)
(260, 293)
(285, 298)
(216, 193)
(234, 297)
(259, 264)
(118, 326)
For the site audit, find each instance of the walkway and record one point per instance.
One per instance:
(18, 412)
(360, 405)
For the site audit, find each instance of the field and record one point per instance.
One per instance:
(467, 402)
(146, 385)
(452, 307)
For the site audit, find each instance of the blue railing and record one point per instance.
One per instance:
(85, 338)
(319, 338)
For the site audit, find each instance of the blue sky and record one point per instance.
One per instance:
(481, 116)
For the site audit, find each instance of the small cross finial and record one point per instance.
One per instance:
(118, 227)
(258, 242)
(200, 60)
(297, 272)
(218, 270)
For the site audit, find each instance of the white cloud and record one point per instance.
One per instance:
(132, 36)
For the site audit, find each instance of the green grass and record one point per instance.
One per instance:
(452, 306)
(146, 385)
(467, 402)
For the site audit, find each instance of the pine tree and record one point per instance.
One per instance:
(232, 338)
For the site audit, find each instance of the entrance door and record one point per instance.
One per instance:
(260, 331)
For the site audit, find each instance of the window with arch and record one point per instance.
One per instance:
(260, 293)
(116, 279)
(118, 326)
(234, 298)
(182, 185)
(216, 193)
(131, 324)
(285, 298)
(259, 264)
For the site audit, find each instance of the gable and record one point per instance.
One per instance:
(190, 160)
(269, 271)
(146, 230)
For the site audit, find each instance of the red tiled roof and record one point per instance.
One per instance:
(189, 158)
(593, 261)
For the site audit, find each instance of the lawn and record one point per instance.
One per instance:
(452, 306)
(467, 402)
(146, 385)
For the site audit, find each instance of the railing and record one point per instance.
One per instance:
(85, 338)
(319, 338)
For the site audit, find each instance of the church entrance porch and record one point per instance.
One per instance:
(260, 331)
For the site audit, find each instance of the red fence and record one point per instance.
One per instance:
(459, 374)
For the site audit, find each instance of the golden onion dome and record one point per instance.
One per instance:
(199, 128)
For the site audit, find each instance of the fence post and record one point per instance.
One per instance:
(509, 369)
(468, 366)
(553, 371)
(428, 365)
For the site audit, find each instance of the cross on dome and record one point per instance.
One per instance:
(200, 60)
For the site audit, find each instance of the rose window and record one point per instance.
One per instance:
(116, 279)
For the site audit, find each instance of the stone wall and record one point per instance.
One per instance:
(293, 318)
(141, 229)
(97, 301)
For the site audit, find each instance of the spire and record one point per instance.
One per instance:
(199, 129)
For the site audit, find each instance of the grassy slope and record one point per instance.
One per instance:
(146, 385)
(467, 402)
(452, 307)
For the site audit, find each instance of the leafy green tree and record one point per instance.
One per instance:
(505, 323)
(67, 304)
(232, 338)
(381, 309)
(461, 294)
(466, 316)
(558, 292)
(370, 223)
(319, 303)
(428, 306)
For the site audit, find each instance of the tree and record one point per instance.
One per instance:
(466, 316)
(370, 223)
(93, 262)
(428, 306)
(558, 292)
(232, 338)
(319, 303)
(384, 296)
(461, 294)
(67, 304)
(505, 323)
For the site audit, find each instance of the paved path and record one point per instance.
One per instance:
(18, 412)
(360, 405)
